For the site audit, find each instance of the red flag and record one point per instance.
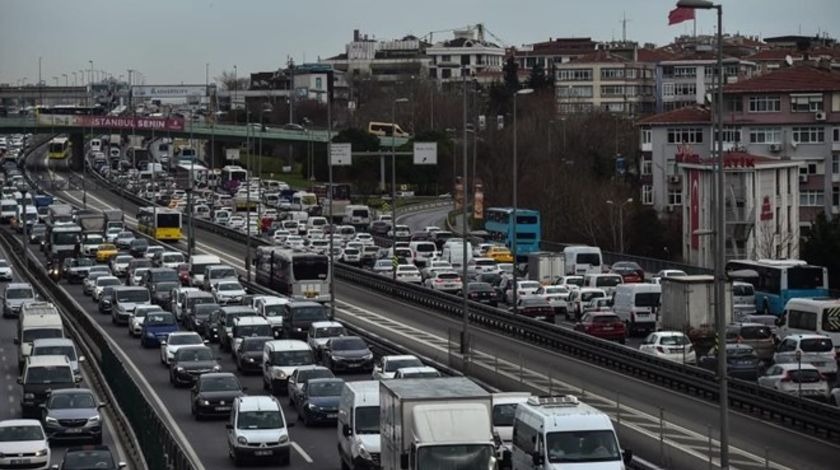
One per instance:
(680, 14)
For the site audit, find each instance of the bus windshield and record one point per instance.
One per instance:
(310, 268)
(168, 220)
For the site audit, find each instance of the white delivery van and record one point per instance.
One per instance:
(280, 358)
(198, 263)
(581, 259)
(812, 316)
(36, 326)
(357, 216)
(424, 252)
(637, 304)
(562, 432)
(358, 425)
(504, 411)
(606, 281)
(453, 251)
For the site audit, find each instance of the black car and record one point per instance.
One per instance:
(161, 292)
(72, 414)
(198, 320)
(213, 394)
(39, 380)
(319, 401)
(104, 304)
(138, 247)
(299, 315)
(190, 362)
(741, 361)
(248, 354)
(348, 353)
(482, 292)
(89, 457)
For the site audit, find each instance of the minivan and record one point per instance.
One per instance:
(34, 327)
(637, 304)
(581, 259)
(258, 431)
(280, 358)
(814, 316)
(299, 315)
(42, 375)
(358, 425)
(817, 350)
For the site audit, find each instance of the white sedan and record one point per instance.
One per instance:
(671, 345)
(556, 296)
(793, 379)
(23, 437)
(445, 281)
(409, 273)
(227, 291)
(136, 318)
(101, 283)
(175, 341)
(5, 271)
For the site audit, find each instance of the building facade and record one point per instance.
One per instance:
(469, 52)
(687, 80)
(395, 60)
(552, 52)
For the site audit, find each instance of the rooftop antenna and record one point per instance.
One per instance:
(624, 21)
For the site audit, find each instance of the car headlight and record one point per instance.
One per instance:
(150, 334)
(242, 440)
(93, 420)
(284, 438)
(312, 407)
(368, 356)
(42, 453)
(250, 359)
(363, 453)
(29, 396)
(51, 420)
(179, 369)
(217, 368)
(278, 374)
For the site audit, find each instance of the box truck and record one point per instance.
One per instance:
(688, 305)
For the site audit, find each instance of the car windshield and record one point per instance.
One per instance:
(816, 345)
(367, 420)
(123, 259)
(396, 364)
(348, 344)
(65, 401)
(21, 433)
(204, 310)
(309, 314)
(608, 281)
(329, 388)
(194, 355)
(108, 281)
(534, 302)
(804, 376)
(582, 446)
(479, 287)
(222, 273)
(219, 384)
(230, 286)
(49, 374)
(273, 310)
(165, 275)
(254, 344)
(133, 296)
(503, 414)
(181, 340)
(86, 459)
(32, 334)
(329, 332)
(605, 319)
(674, 340)
(68, 351)
(592, 259)
(743, 290)
(160, 319)
(166, 286)
(260, 420)
(19, 293)
(316, 373)
(647, 299)
(291, 358)
(756, 332)
(587, 296)
(529, 285)
(243, 331)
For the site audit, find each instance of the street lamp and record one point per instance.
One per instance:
(515, 241)
(330, 210)
(66, 79)
(620, 221)
(720, 243)
(394, 185)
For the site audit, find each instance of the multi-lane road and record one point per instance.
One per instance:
(428, 333)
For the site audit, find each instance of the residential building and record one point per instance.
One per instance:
(309, 82)
(762, 207)
(469, 52)
(687, 80)
(605, 81)
(776, 58)
(552, 52)
(395, 60)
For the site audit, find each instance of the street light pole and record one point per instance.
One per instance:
(620, 221)
(720, 234)
(332, 195)
(394, 184)
(248, 194)
(515, 242)
(464, 221)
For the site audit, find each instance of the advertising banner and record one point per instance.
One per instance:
(112, 122)
(168, 91)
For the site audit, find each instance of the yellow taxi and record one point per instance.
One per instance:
(500, 254)
(105, 252)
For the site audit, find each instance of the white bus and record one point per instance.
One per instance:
(299, 275)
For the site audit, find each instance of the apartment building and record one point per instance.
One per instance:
(688, 80)
(552, 52)
(469, 52)
(394, 60)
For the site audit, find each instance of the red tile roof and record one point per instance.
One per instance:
(653, 55)
(598, 57)
(775, 54)
(801, 78)
(686, 115)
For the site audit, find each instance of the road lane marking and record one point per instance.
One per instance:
(302, 452)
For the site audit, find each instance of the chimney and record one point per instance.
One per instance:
(355, 35)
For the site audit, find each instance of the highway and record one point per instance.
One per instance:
(10, 406)
(427, 331)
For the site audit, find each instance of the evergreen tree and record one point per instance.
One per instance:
(511, 75)
(821, 246)
(538, 79)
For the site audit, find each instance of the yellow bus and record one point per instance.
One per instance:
(59, 148)
(161, 223)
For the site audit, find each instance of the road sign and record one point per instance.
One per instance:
(341, 154)
(832, 318)
(425, 153)
(395, 262)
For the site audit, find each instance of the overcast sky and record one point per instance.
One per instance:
(170, 41)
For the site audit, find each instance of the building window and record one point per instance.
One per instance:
(731, 135)
(646, 136)
(765, 135)
(647, 195)
(576, 75)
(318, 82)
(806, 103)
(685, 89)
(612, 90)
(685, 72)
(445, 58)
(612, 74)
(765, 104)
(808, 135)
(811, 198)
(835, 164)
(613, 107)
(465, 59)
(675, 197)
(733, 104)
(835, 134)
(835, 196)
(446, 73)
(667, 89)
(577, 91)
(647, 167)
(688, 135)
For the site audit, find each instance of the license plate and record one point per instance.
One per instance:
(261, 453)
(20, 461)
(222, 408)
(818, 364)
(607, 328)
(332, 415)
(74, 431)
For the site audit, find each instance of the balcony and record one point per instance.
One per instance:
(647, 147)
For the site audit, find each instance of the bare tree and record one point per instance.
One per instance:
(229, 81)
(767, 243)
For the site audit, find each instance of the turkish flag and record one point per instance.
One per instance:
(680, 14)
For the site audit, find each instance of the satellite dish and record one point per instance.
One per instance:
(789, 60)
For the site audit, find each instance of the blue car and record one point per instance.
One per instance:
(156, 327)
(318, 403)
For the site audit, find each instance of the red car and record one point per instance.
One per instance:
(630, 271)
(604, 325)
(536, 308)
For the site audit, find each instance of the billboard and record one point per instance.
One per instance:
(168, 91)
(112, 122)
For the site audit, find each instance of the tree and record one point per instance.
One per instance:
(538, 79)
(821, 246)
(646, 234)
(511, 75)
(768, 244)
(230, 81)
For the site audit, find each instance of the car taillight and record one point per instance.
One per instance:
(785, 378)
(439, 281)
(660, 349)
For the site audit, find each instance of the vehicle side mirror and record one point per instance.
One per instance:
(163, 342)
(101, 404)
(81, 358)
(228, 426)
(346, 430)
(537, 458)
(17, 341)
(244, 389)
(54, 467)
(78, 379)
(627, 456)
(121, 465)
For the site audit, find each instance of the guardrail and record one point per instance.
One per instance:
(810, 416)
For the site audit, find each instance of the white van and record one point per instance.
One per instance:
(504, 412)
(560, 432)
(197, 265)
(258, 430)
(280, 358)
(453, 251)
(606, 281)
(358, 425)
(581, 259)
(812, 316)
(356, 216)
(8, 209)
(424, 252)
(637, 304)
(36, 326)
